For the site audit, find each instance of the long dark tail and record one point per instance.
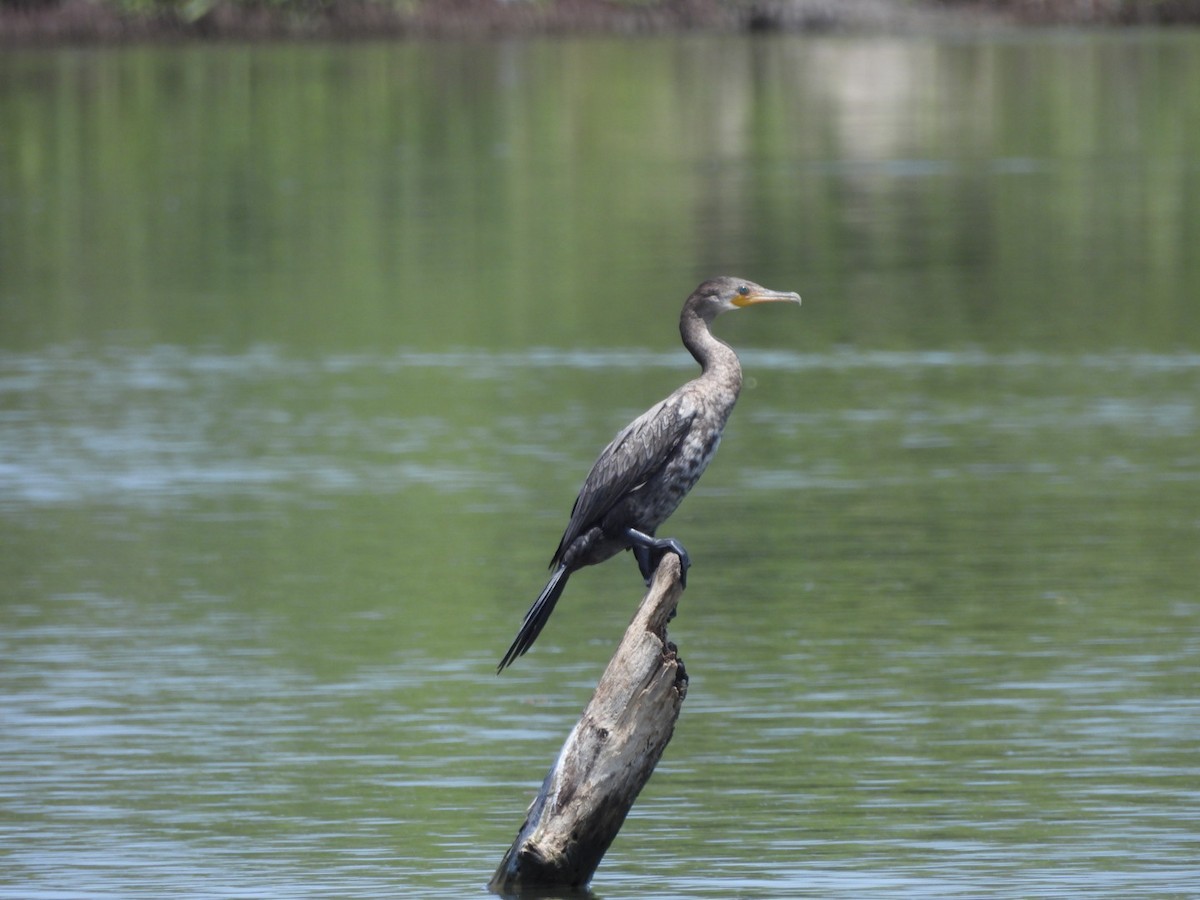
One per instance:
(536, 618)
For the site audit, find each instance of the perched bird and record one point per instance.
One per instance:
(641, 477)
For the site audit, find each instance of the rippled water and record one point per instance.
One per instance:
(304, 352)
(950, 647)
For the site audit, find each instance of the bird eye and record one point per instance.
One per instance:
(743, 290)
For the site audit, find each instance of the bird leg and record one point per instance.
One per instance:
(648, 551)
(645, 564)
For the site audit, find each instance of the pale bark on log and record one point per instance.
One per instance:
(609, 755)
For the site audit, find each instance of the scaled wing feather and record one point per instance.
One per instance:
(640, 450)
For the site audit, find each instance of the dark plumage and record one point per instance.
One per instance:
(641, 477)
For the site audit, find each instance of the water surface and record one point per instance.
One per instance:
(305, 351)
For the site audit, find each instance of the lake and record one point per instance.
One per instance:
(305, 351)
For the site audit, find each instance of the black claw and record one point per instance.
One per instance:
(646, 563)
(685, 561)
(649, 552)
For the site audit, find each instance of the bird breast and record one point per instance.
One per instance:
(708, 414)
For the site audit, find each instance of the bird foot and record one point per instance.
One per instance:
(648, 551)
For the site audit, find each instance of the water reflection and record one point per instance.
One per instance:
(450, 195)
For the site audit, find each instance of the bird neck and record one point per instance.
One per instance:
(716, 358)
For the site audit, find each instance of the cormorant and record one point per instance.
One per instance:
(641, 477)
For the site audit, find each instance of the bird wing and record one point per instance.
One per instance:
(640, 449)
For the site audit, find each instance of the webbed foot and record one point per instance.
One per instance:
(648, 551)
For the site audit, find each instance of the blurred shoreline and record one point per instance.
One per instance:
(55, 22)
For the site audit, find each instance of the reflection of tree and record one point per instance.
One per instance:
(554, 192)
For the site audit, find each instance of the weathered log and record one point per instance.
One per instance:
(609, 755)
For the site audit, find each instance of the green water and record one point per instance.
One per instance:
(304, 352)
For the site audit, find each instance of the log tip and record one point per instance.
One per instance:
(662, 600)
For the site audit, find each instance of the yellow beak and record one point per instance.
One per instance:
(762, 295)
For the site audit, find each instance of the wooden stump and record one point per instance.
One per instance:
(609, 755)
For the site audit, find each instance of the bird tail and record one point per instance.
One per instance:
(536, 618)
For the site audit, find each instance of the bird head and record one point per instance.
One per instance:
(719, 295)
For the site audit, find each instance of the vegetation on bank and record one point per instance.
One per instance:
(118, 19)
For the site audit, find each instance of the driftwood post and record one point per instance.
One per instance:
(609, 755)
